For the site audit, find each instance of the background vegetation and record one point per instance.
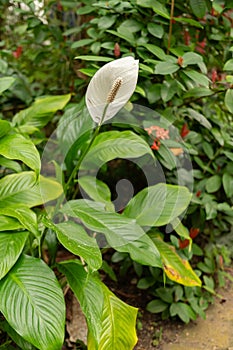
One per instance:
(185, 50)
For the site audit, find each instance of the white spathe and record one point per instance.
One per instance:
(100, 86)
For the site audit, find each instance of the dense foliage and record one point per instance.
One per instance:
(173, 141)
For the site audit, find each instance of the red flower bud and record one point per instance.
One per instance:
(17, 53)
(185, 130)
(117, 50)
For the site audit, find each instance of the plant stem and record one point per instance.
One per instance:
(170, 26)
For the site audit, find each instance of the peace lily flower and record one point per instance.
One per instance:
(111, 87)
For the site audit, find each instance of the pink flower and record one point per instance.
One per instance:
(159, 132)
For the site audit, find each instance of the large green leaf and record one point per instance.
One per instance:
(24, 188)
(18, 147)
(11, 246)
(74, 238)
(41, 111)
(158, 205)
(23, 344)
(32, 302)
(97, 190)
(5, 83)
(10, 164)
(122, 233)
(25, 216)
(74, 123)
(4, 127)
(176, 269)
(111, 322)
(9, 224)
(115, 144)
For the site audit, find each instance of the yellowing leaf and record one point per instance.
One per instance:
(176, 269)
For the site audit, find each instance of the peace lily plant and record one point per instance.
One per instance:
(31, 294)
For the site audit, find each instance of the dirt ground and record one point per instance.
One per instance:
(213, 333)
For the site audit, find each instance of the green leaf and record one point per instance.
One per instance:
(198, 78)
(23, 344)
(10, 164)
(5, 83)
(93, 58)
(165, 294)
(72, 127)
(176, 269)
(115, 144)
(227, 180)
(84, 10)
(198, 7)
(218, 136)
(190, 21)
(184, 311)
(199, 117)
(96, 190)
(81, 43)
(106, 22)
(24, 215)
(168, 90)
(146, 282)
(41, 111)
(111, 322)
(115, 334)
(180, 228)
(11, 246)
(156, 50)
(32, 302)
(229, 100)
(124, 34)
(122, 233)
(211, 210)
(208, 149)
(145, 3)
(213, 183)
(158, 205)
(18, 147)
(228, 65)
(131, 25)
(24, 188)
(198, 92)
(161, 10)
(191, 58)
(155, 30)
(5, 127)
(9, 224)
(156, 306)
(167, 67)
(74, 238)
(228, 155)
